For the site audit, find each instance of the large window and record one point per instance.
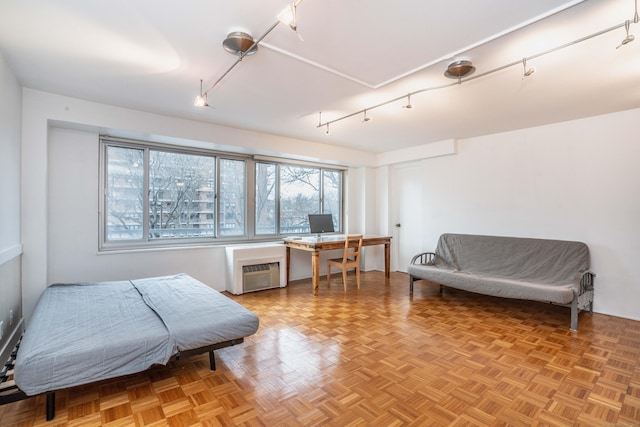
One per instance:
(286, 194)
(159, 195)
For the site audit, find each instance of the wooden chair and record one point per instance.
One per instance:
(350, 259)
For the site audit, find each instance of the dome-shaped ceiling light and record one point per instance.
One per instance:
(459, 69)
(239, 43)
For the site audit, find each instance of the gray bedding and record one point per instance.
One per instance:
(86, 332)
(195, 316)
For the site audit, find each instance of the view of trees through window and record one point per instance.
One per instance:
(155, 194)
(232, 197)
(266, 208)
(299, 196)
(181, 195)
(289, 193)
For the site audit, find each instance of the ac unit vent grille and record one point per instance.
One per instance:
(259, 267)
(260, 276)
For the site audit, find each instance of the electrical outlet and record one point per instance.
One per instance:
(11, 317)
(1, 330)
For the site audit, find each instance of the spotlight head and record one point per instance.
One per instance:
(629, 38)
(200, 101)
(288, 16)
(409, 106)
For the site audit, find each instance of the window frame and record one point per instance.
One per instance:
(250, 162)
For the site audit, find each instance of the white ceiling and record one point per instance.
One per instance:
(150, 55)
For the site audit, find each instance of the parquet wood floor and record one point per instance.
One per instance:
(378, 357)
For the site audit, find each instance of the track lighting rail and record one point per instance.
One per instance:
(201, 100)
(460, 80)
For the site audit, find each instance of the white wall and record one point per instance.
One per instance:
(10, 243)
(60, 173)
(10, 119)
(73, 225)
(577, 180)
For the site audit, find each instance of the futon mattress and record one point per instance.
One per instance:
(86, 332)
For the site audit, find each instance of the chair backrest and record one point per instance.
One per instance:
(352, 248)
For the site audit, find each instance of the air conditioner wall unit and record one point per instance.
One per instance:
(260, 276)
(255, 267)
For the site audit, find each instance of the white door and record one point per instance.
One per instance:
(406, 213)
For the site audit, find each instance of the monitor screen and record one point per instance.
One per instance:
(321, 223)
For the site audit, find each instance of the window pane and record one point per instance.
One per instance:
(232, 197)
(181, 195)
(299, 196)
(265, 198)
(125, 189)
(332, 196)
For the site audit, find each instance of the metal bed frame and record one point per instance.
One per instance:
(9, 391)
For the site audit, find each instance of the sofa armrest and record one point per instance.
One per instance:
(584, 280)
(582, 297)
(425, 258)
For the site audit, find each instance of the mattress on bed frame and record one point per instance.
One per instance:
(195, 315)
(86, 332)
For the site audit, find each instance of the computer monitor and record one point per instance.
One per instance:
(321, 223)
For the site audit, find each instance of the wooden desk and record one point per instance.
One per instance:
(316, 244)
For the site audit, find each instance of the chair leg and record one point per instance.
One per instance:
(328, 275)
(344, 278)
(358, 276)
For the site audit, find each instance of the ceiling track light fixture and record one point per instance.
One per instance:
(527, 71)
(242, 44)
(366, 118)
(409, 106)
(201, 100)
(629, 38)
(461, 69)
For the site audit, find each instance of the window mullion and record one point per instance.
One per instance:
(321, 191)
(277, 196)
(216, 197)
(147, 191)
(250, 198)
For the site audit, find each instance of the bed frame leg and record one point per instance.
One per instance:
(574, 312)
(51, 405)
(212, 360)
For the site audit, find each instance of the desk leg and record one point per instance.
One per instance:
(288, 261)
(387, 259)
(315, 268)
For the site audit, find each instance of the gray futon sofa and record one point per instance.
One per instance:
(554, 271)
